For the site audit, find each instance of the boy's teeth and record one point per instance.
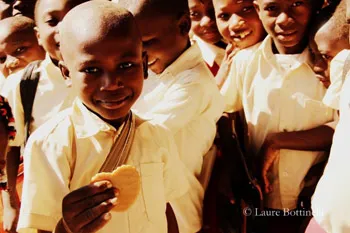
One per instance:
(244, 34)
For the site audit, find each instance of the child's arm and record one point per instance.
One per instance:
(87, 209)
(316, 139)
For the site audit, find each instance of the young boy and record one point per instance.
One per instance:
(185, 98)
(18, 44)
(52, 93)
(333, 48)
(104, 59)
(330, 200)
(282, 102)
(240, 26)
(206, 34)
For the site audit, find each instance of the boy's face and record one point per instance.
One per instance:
(286, 22)
(320, 64)
(164, 39)
(238, 22)
(203, 20)
(108, 73)
(17, 50)
(24, 7)
(48, 15)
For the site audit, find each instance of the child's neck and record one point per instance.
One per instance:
(297, 49)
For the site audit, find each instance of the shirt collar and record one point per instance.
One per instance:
(210, 52)
(52, 71)
(186, 61)
(87, 123)
(266, 49)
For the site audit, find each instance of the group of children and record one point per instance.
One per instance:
(150, 79)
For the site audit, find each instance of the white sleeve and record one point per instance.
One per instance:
(47, 174)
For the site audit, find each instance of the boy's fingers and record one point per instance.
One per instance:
(97, 224)
(88, 203)
(90, 215)
(86, 192)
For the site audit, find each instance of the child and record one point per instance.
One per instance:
(206, 34)
(105, 62)
(282, 102)
(52, 93)
(19, 45)
(330, 46)
(239, 24)
(185, 98)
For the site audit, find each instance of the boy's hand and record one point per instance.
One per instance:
(269, 153)
(87, 209)
(224, 70)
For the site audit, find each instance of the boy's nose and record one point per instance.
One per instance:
(110, 82)
(206, 21)
(284, 20)
(236, 22)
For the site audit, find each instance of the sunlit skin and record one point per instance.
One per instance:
(17, 48)
(319, 64)
(107, 71)
(238, 22)
(48, 15)
(286, 22)
(203, 22)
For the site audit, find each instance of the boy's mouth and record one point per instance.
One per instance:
(114, 104)
(286, 36)
(241, 35)
(152, 62)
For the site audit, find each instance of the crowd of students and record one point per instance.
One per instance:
(169, 86)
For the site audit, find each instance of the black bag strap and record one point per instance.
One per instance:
(346, 67)
(28, 86)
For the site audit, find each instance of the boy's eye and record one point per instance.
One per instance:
(20, 50)
(2, 60)
(9, 1)
(270, 8)
(194, 14)
(52, 22)
(247, 9)
(125, 65)
(91, 70)
(224, 16)
(326, 57)
(148, 42)
(299, 3)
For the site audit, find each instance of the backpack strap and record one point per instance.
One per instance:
(28, 86)
(346, 67)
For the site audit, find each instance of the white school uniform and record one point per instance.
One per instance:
(67, 151)
(210, 53)
(278, 93)
(330, 202)
(186, 100)
(52, 96)
(332, 96)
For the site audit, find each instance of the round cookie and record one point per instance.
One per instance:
(127, 180)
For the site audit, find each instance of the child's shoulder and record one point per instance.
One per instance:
(56, 130)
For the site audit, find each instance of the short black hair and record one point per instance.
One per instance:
(175, 8)
(335, 16)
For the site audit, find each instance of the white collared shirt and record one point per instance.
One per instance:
(330, 203)
(67, 151)
(186, 100)
(332, 96)
(52, 96)
(210, 53)
(278, 97)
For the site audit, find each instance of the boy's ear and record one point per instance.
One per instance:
(65, 73)
(256, 6)
(184, 24)
(37, 34)
(145, 64)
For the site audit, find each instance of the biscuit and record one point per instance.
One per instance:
(127, 180)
